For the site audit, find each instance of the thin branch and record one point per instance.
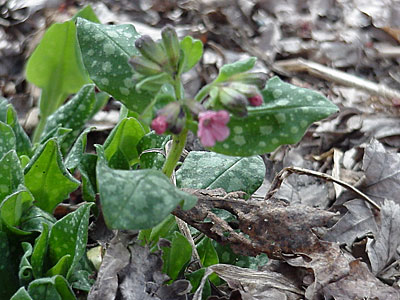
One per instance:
(283, 174)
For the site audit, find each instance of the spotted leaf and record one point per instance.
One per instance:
(7, 139)
(46, 177)
(77, 151)
(51, 288)
(23, 143)
(137, 199)
(11, 174)
(68, 236)
(105, 51)
(74, 114)
(208, 170)
(282, 119)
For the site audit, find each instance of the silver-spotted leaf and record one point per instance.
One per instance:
(46, 177)
(39, 252)
(51, 288)
(68, 236)
(11, 174)
(23, 143)
(105, 51)
(7, 139)
(208, 170)
(283, 119)
(77, 151)
(74, 114)
(137, 199)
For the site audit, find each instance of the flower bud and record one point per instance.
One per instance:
(144, 66)
(179, 123)
(194, 107)
(151, 50)
(171, 45)
(233, 101)
(256, 100)
(246, 89)
(159, 124)
(258, 79)
(174, 116)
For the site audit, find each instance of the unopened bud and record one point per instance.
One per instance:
(256, 100)
(159, 124)
(174, 115)
(144, 66)
(233, 101)
(151, 50)
(248, 90)
(179, 123)
(194, 106)
(171, 44)
(258, 79)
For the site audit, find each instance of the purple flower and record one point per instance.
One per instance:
(255, 100)
(159, 124)
(212, 127)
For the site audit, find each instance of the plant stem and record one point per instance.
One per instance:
(178, 143)
(39, 130)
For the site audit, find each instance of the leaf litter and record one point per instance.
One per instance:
(319, 244)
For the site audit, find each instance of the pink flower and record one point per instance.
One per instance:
(255, 100)
(159, 124)
(212, 127)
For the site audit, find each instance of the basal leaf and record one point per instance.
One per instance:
(240, 66)
(77, 151)
(8, 274)
(208, 170)
(39, 252)
(25, 269)
(120, 146)
(35, 218)
(86, 13)
(74, 114)
(46, 177)
(3, 109)
(152, 141)
(283, 119)
(56, 66)
(87, 168)
(23, 143)
(7, 139)
(136, 199)
(13, 207)
(152, 160)
(53, 288)
(68, 236)
(192, 50)
(105, 51)
(176, 256)
(208, 254)
(61, 267)
(21, 294)
(11, 175)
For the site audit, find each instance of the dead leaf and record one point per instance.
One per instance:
(356, 223)
(382, 249)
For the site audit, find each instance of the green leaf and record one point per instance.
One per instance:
(68, 236)
(86, 13)
(195, 279)
(87, 168)
(283, 119)
(152, 141)
(136, 199)
(120, 146)
(25, 269)
(240, 66)
(8, 275)
(208, 254)
(23, 143)
(208, 170)
(101, 100)
(192, 50)
(11, 175)
(3, 109)
(39, 252)
(82, 280)
(61, 267)
(7, 139)
(60, 133)
(21, 294)
(105, 51)
(152, 160)
(162, 230)
(13, 207)
(74, 114)
(35, 218)
(56, 66)
(77, 151)
(176, 256)
(46, 177)
(54, 288)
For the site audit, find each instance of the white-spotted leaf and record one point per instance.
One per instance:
(283, 119)
(77, 151)
(51, 288)
(137, 199)
(68, 236)
(208, 170)
(74, 114)
(7, 139)
(23, 143)
(11, 174)
(46, 177)
(105, 51)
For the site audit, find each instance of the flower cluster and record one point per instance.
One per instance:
(212, 112)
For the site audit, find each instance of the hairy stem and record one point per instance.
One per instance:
(178, 143)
